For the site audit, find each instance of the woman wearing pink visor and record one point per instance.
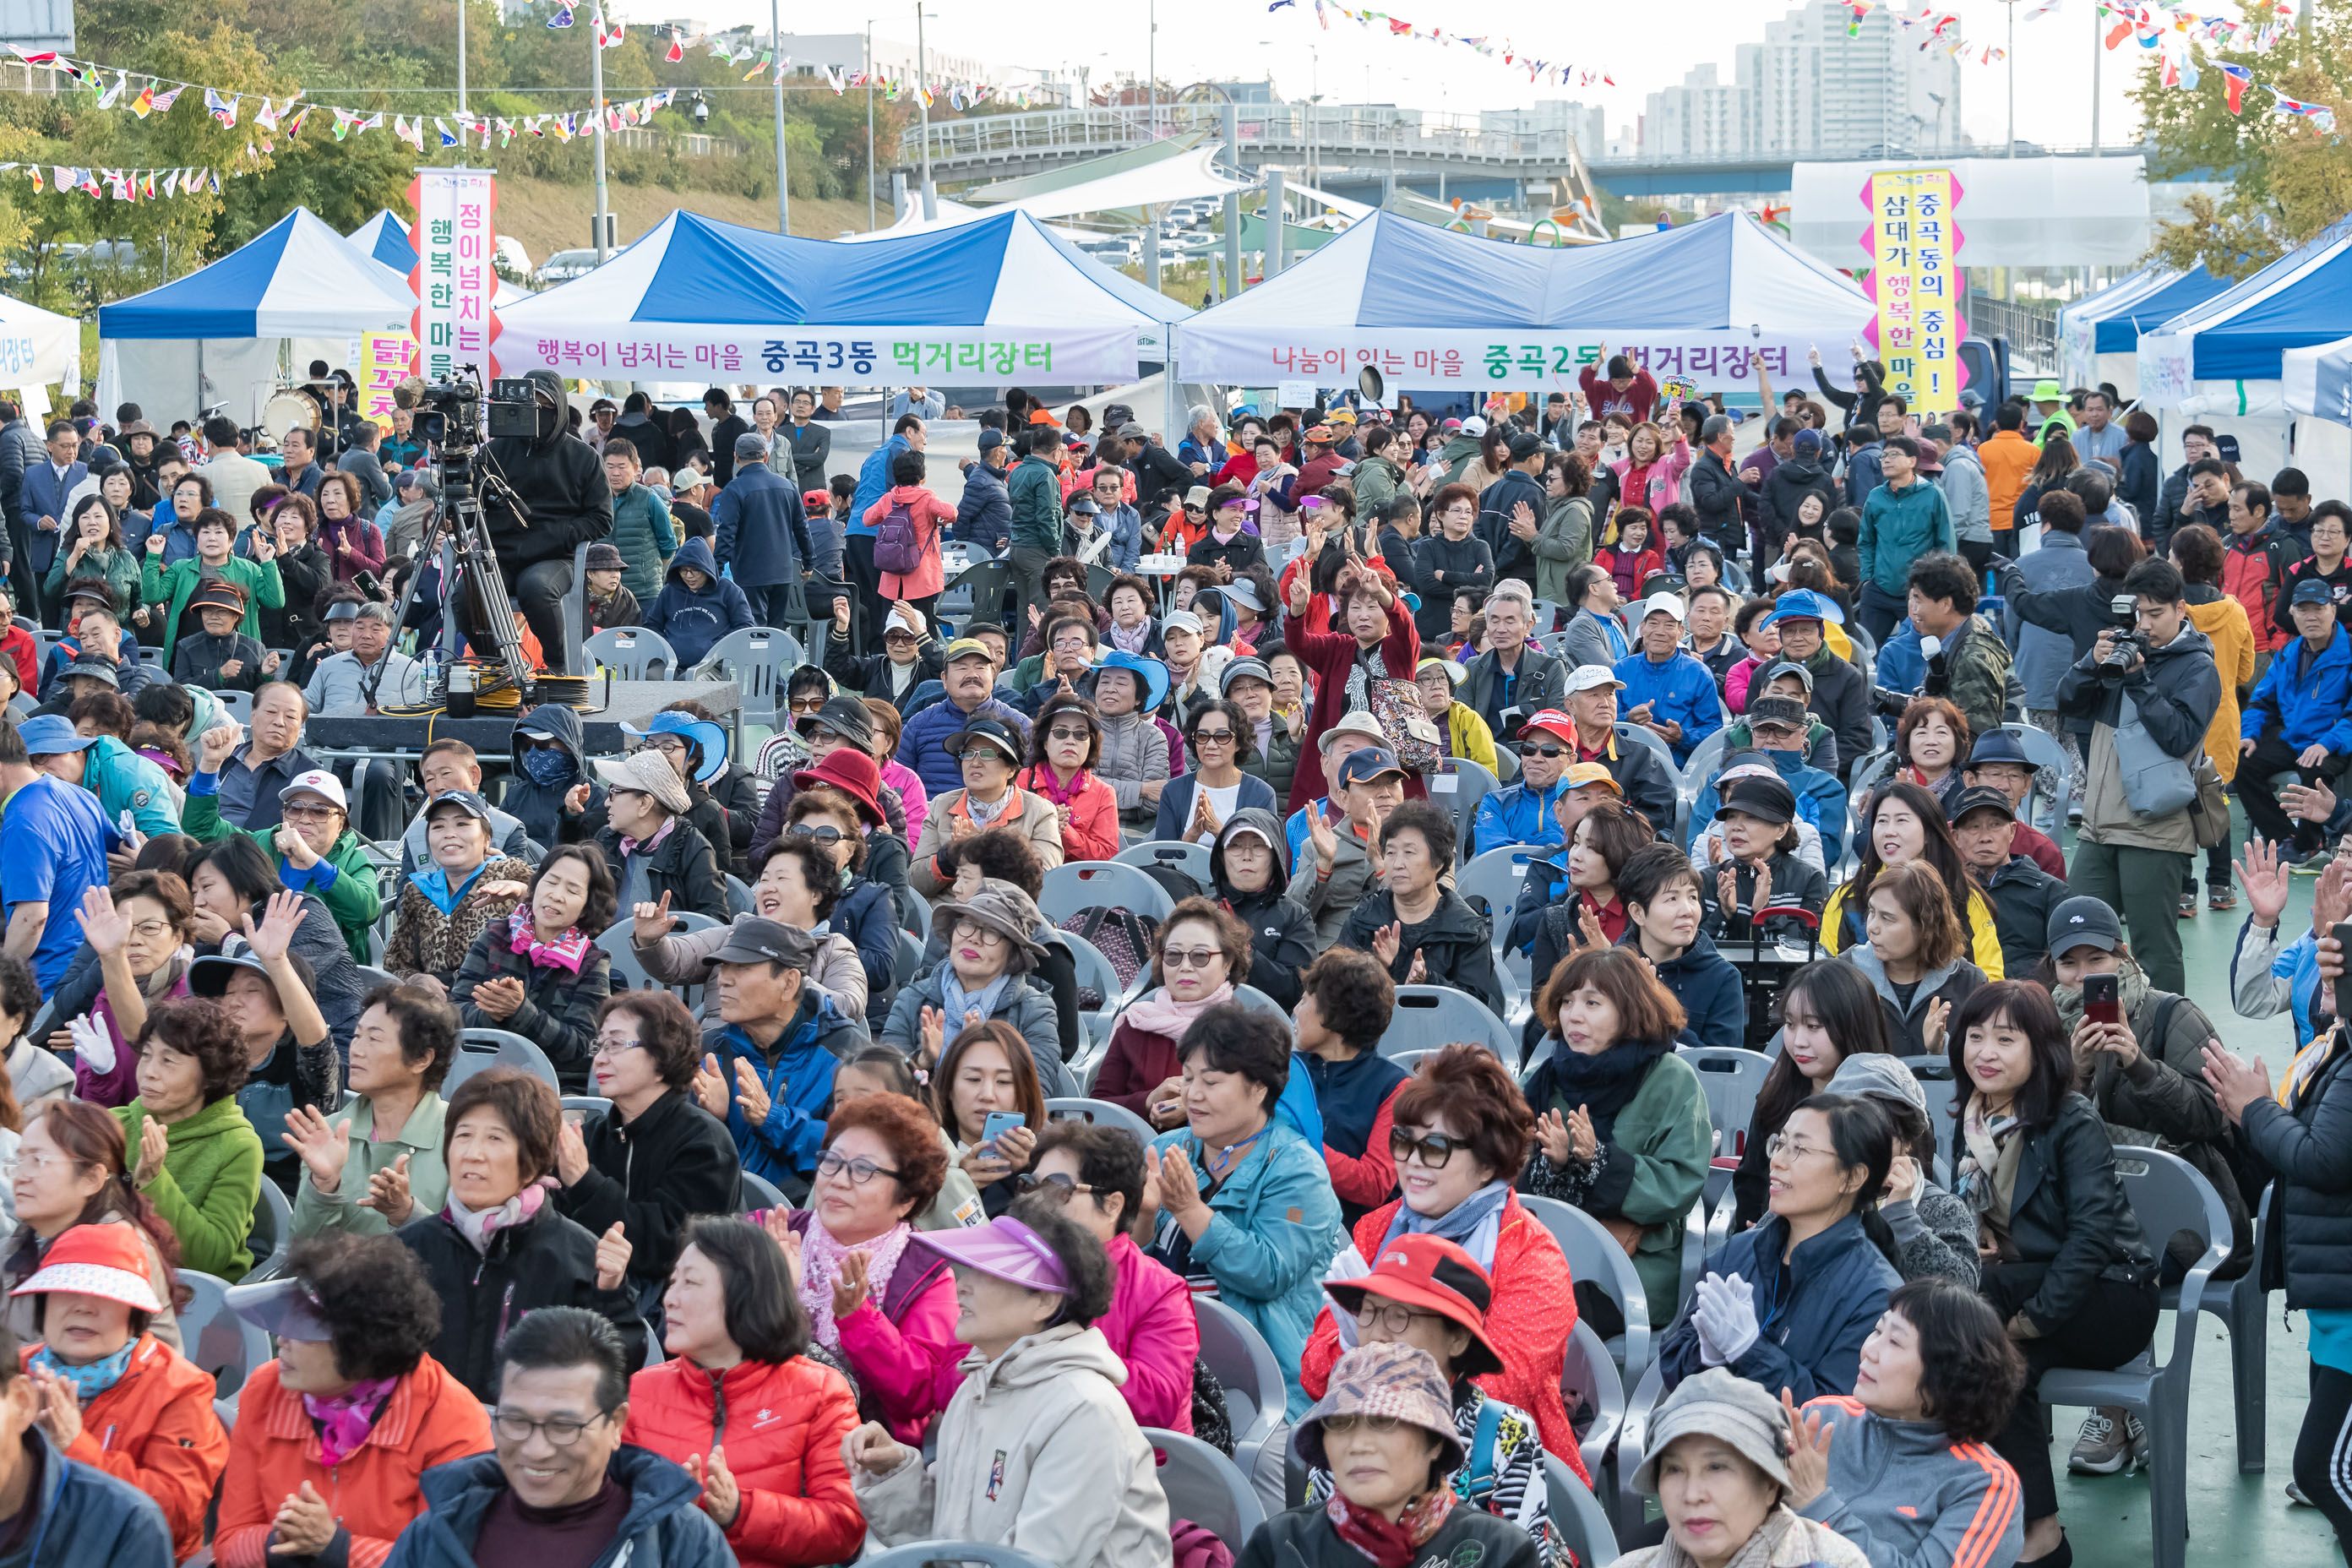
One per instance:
(1037, 1450)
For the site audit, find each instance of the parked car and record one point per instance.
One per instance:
(565, 264)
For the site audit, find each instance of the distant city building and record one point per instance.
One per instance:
(34, 25)
(1582, 121)
(812, 53)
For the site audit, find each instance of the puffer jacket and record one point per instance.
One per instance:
(1304, 1537)
(426, 1420)
(1038, 1451)
(155, 1429)
(2043, 652)
(1034, 499)
(562, 480)
(1152, 1328)
(984, 512)
(1282, 934)
(1812, 1342)
(2307, 1246)
(425, 940)
(1134, 753)
(2177, 690)
(84, 1518)
(559, 1008)
(1785, 489)
(782, 1423)
(540, 807)
(2223, 620)
(2254, 571)
(1900, 526)
(2306, 694)
(546, 1260)
(693, 620)
(1561, 546)
(645, 538)
(1453, 944)
(1020, 1004)
(922, 742)
(665, 1527)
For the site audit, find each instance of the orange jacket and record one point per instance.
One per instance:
(785, 1424)
(429, 1419)
(1534, 1312)
(2007, 458)
(155, 1428)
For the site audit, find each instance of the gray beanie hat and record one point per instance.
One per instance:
(1721, 1404)
(1875, 1072)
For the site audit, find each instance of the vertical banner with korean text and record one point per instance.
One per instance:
(455, 285)
(1915, 279)
(383, 362)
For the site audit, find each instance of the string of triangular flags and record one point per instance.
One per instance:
(121, 184)
(145, 95)
(735, 50)
(2177, 37)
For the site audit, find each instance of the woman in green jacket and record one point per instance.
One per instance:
(93, 548)
(1563, 540)
(194, 1154)
(176, 584)
(314, 846)
(1621, 1128)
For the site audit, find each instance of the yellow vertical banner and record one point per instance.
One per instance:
(1915, 283)
(383, 362)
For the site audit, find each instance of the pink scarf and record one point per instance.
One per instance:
(636, 846)
(477, 1227)
(568, 951)
(821, 1258)
(346, 1419)
(1159, 1014)
(1041, 779)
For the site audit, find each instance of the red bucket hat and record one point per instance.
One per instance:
(854, 773)
(1432, 1275)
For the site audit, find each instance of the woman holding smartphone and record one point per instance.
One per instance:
(985, 1093)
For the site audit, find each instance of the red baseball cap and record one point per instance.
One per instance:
(1553, 720)
(1434, 1275)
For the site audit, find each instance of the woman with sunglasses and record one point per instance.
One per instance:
(1195, 806)
(1094, 1177)
(1459, 1133)
(889, 1313)
(1203, 952)
(1065, 746)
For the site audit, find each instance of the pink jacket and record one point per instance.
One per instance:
(912, 797)
(119, 1085)
(1735, 682)
(911, 1367)
(931, 516)
(1665, 478)
(1151, 1328)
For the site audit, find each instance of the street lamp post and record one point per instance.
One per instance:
(776, 51)
(2012, 4)
(870, 125)
(596, 98)
(923, 103)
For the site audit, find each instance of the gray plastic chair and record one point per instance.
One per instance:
(1589, 1379)
(1650, 738)
(914, 911)
(955, 1554)
(1191, 859)
(1632, 1440)
(1251, 996)
(1427, 1016)
(1102, 884)
(1731, 1078)
(1705, 759)
(2045, 752)
(588, 1104)
(1094, 969)
(2169, 1196)
(1457, 790)
(238, 705)
(1494, 878)
(272, 1237)
(1206, 1488)
(1936, 1081)
(633, 653)
(1244, 1366)
(906, 962)
(1102, 1113)
(480, 1049)
(759, 1192)
(760, 659)
(369, 978)
(1593, 1254)
(216, 1339)
(1577, 1514)
(2247, 1311)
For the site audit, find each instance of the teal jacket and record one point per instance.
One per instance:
(1897, 528)
(1276, 1228)
(124, 781)
(1035, 491)
(644, 534)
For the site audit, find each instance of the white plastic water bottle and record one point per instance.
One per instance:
(432, 672)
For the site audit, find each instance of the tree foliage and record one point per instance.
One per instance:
(2285, 181)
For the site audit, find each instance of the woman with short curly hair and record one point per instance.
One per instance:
(349, 1416)
(1459, 1133)
(536, 971)
(194, 1154)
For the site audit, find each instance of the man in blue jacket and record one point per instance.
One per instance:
(1667, 690)
(764, 534)
(561, 1484)
(768, 1070)
(969, 677)
(1522, 812)
(2300, 719)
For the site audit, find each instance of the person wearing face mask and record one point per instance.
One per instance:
(549, 791)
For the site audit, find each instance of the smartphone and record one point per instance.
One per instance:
(2343, 935)
(2102, 1003)
(998, 1123)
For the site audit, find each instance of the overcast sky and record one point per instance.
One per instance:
(1645, 45)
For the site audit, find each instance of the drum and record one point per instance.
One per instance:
(291, 409)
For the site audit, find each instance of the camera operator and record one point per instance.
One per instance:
(2165, 666)
(560, 481)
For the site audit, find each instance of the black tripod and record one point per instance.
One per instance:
(461, 535)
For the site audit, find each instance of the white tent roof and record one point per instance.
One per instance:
(1185, 174)
(384, 238)
(38, 347)
(952, 214)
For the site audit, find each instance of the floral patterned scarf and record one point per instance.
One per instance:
(346, 1419)
(1391, 1545)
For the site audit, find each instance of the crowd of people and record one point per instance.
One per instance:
(1717, 694)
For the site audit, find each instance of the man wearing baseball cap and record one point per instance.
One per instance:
(54, 838)
(1997, 761)
(2299, 720)
(1523, 812)
(1647, 783)
(1667, 692)
(780, 1040)
(1840, 695)
(1509, 533)
(968, 674)
(1352, 734)
(2022, 893)
(1337, 867)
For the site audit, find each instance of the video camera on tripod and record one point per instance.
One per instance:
(450, 412)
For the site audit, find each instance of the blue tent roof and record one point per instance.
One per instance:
(385, 237)
(2119, 333)
(299, 278)
(2303, 299)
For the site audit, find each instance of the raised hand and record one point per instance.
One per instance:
(2331, 900)
(611, 1257)
(711, 1086)
(1585, 1140)
(1939, 1014)
(571, 1153)
(1326, 841)
(105, 928)
(1387, 942)
(934, 1031)
(1558, 1144)
(279, 919)
(216, 746)
(649, 922)
(1808, 1452)
(304, 1527)
(297, 849)
(1419, 973)
(319, 1144)
(56, 1411)
(155, 1144)
(2266, 879)
(751, 1094)
(2236, 1084)
(388, 1192)
(722, 1500)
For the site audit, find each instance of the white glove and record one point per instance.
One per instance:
(92, 1043)
(1725, 1313)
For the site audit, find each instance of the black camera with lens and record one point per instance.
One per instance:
(451, 413)
(2123, 610)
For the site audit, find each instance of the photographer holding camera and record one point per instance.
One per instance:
(2149, 690)
(562, 484)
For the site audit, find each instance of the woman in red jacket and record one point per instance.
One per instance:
(743, 1406)
(1064, 744)
(333, 1436)
(1380, 644)
(1460, 1135)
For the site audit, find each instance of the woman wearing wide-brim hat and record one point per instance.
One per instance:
(993, 948)
(1385, 1434)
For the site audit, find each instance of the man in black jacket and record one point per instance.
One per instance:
(562, 484)
(2196, 445)
(1984, 826)
(1507, 535)
(16, 442)
(1714, 486)
(725, 426)
(1157, 474)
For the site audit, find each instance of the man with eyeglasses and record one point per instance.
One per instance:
(1524, 812)
(1071, 644)
(767, 1069)
(561, 1490)
(1336, 869)
(1511, 679)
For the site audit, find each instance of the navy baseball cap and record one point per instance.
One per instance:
(2313, 591)
(1369, 763)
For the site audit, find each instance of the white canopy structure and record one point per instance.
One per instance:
(38, 347)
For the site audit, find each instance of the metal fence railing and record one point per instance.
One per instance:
(2031, 330)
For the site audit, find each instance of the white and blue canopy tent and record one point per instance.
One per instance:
(2222, 362)
(999, 301)
(39, 348)
(385, 237)
(230, 335)
(2099, 334)
(1434, 310)
(2319, 385)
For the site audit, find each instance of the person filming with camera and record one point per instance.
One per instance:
(561, 482)
(2149, 689)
